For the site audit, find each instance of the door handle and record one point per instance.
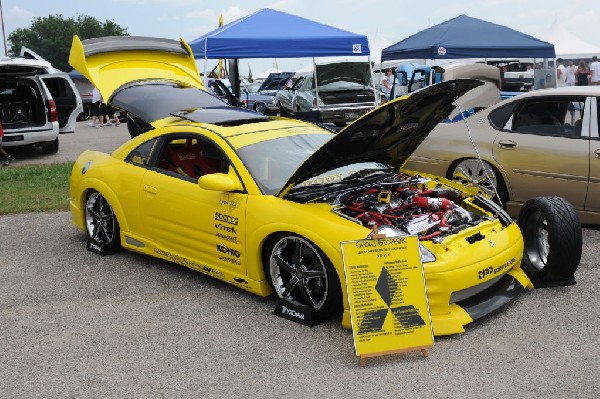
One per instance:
(150, 189)
(597, 153)
(507, 144)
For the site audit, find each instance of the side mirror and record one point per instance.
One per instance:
(220, 182)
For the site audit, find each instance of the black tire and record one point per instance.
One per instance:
(51, 148)
(282, 112)
(471, 173)
(101, 222)
(260, 108)
(86, 113)
(553, 239)
(301, 273)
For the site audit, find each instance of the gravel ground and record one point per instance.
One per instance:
(75, 324)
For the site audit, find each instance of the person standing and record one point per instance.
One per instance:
(97, 114)
(6, 159)
(388, 81)
(571, 69)
(582, 74)
(561, 74)
(595, 71)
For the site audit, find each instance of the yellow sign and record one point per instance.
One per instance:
(387, 296)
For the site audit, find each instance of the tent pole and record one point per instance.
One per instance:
(205, 63)
(375, 92)
(316, 90)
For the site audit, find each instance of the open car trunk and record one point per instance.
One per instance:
(21, 104)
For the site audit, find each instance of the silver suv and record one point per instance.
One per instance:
(37, 102)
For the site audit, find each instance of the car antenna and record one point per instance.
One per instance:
(487, 175)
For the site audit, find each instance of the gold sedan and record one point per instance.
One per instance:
(542, 143)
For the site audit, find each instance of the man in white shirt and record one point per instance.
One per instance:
(561, 74)
(595, 71)
(571, 69)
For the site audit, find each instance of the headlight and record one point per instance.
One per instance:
(391, 231)
(426, 255)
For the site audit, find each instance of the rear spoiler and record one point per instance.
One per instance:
(133, 43)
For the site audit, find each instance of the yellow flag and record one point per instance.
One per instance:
(220, 70)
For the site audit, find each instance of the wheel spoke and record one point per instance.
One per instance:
(308, 295)
(297, 258)
(287, 291)
(282, 263)
(314, 274)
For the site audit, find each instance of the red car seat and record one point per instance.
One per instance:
(189, 159)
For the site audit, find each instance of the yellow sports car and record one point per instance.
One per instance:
(263, 203)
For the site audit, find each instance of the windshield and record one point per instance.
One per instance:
(272, 162)
(345, 173)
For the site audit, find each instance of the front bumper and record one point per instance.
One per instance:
(489, 277)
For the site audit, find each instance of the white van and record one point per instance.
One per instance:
(37, 102)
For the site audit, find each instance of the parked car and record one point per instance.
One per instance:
(539, 143)
(263, 100)
(85, 89)
(343, 91)
(263, 203)
(37, 102)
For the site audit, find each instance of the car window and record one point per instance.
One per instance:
(272, 162)
(189, 156)
(499, 116)
(142, 154)
(297, 84)
(308, 84)
(550, 117)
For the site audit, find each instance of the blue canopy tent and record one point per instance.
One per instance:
(467, 37)
(274, 34)
(268, 34)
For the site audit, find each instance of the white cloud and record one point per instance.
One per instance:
(19, 16)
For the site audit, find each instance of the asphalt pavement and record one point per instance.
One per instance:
(76, 324)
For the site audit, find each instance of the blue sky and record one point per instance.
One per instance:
(384, 22)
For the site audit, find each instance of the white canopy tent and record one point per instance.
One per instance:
(567, 45)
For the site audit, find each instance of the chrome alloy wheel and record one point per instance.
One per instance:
(471, 172)
(100, 220)
(536, 235)
(298, 272)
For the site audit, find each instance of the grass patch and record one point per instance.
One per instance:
(34, 188)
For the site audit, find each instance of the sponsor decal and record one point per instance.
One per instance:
(95, 247)
(227, 237)
(212, 271)
(292, 313)
(295, 312)
(232, 204)
(189, 263)
(441, 50)
(228, 251)
(222, 227)
(240, 280)
(357, 48)
(221, 217)
(230, 260)
(491, 271)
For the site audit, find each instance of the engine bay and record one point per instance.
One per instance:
(412, 205)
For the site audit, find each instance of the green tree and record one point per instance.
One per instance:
(51, 36)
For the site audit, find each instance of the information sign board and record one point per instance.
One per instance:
(387, 296)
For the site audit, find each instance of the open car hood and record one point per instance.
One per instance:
(389, 134)
(275, 81)
(355, 72)
(110, 62)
